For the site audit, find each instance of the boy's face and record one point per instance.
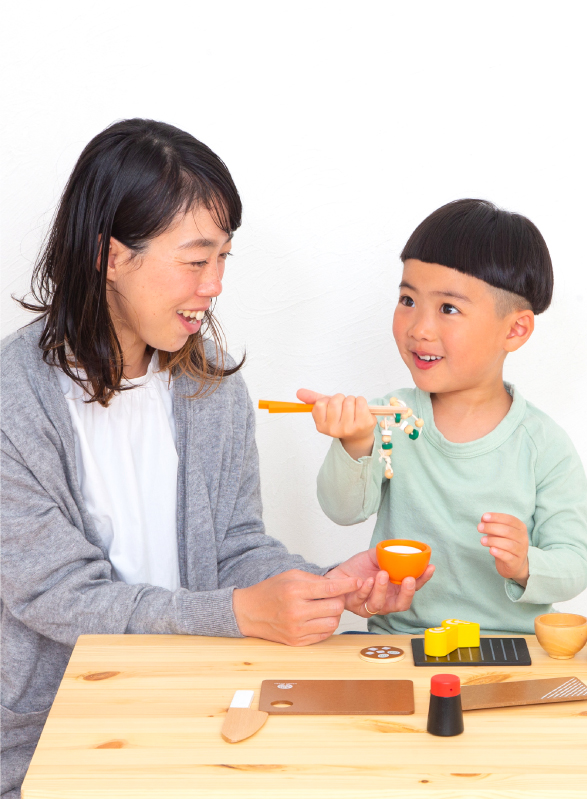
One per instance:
(452, 318)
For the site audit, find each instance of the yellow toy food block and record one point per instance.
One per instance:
(468, 632)
(454, 633)
(439, 641)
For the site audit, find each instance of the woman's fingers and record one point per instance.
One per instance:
(291, 605)
(378, 596)
(405, 595)
(375, 594)
(314, 638)
(326, 587)
(382, 596)
(386, 597)
(365, 590)
(423, 579)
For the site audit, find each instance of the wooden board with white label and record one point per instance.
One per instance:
(522, 692)
(337, 697)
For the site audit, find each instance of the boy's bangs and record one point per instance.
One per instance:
(476, 238)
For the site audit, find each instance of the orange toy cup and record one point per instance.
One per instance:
(399, 565)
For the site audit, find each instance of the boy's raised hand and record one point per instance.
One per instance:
(507, 539)
(345, 418)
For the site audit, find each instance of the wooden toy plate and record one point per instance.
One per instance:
(337, 697)
(491, 652)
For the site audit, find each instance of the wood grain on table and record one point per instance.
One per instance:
(139, 717)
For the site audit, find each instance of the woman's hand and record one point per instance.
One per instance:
(295, 608)
(377, 592)
(346, 418)
(507, 539)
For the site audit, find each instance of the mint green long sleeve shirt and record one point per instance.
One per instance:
(526, 467)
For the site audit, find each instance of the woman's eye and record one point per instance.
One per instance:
(447, 308)
(224, 255)
(407, 301)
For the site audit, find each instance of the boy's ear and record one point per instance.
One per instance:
(117, 254)
(520, 328)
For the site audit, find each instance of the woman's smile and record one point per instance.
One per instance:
(191, 320)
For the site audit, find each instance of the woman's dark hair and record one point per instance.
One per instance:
(475, 237)
(130, 183)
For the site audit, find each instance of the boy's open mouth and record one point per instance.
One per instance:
(424, 360)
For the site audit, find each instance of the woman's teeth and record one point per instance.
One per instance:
(196, 315)
(430, 357)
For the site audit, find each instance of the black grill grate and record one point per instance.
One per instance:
(491, 652)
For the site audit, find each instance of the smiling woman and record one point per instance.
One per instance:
(130, 479)
(132, 187)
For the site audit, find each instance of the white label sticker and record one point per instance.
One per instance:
(242, 699)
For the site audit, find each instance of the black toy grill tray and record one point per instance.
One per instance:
(491, 652)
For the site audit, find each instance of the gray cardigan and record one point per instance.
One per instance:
(57, 581)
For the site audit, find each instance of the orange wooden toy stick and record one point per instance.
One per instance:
(300, 407)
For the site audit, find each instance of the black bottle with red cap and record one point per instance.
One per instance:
(445, 714)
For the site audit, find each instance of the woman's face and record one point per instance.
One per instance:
(152, 295)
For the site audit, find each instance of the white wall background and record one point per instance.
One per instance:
(344, 125)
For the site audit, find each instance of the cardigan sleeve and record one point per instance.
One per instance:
(60, 585)
(247, 554)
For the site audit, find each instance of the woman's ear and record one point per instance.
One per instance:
(520, 328)
(117, 255)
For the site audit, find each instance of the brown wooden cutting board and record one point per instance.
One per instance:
(522, 692)
(337, 697)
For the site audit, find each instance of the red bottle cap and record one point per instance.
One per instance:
(445, 685)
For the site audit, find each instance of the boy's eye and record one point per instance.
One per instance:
(447, 308)
(407, 301)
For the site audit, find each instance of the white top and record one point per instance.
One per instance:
(127, 470)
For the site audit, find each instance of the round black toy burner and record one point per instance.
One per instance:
(445, 714)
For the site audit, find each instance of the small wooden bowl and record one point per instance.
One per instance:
(561, 635)
(399, 565)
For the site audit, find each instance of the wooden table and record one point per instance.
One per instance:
(140, 717)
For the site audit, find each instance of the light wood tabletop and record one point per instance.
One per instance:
(139, 717)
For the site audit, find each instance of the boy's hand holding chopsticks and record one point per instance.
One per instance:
(346, 418)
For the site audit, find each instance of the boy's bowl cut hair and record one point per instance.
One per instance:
(130, 183)
(504, 249)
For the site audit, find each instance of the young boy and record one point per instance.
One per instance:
(493, 485)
